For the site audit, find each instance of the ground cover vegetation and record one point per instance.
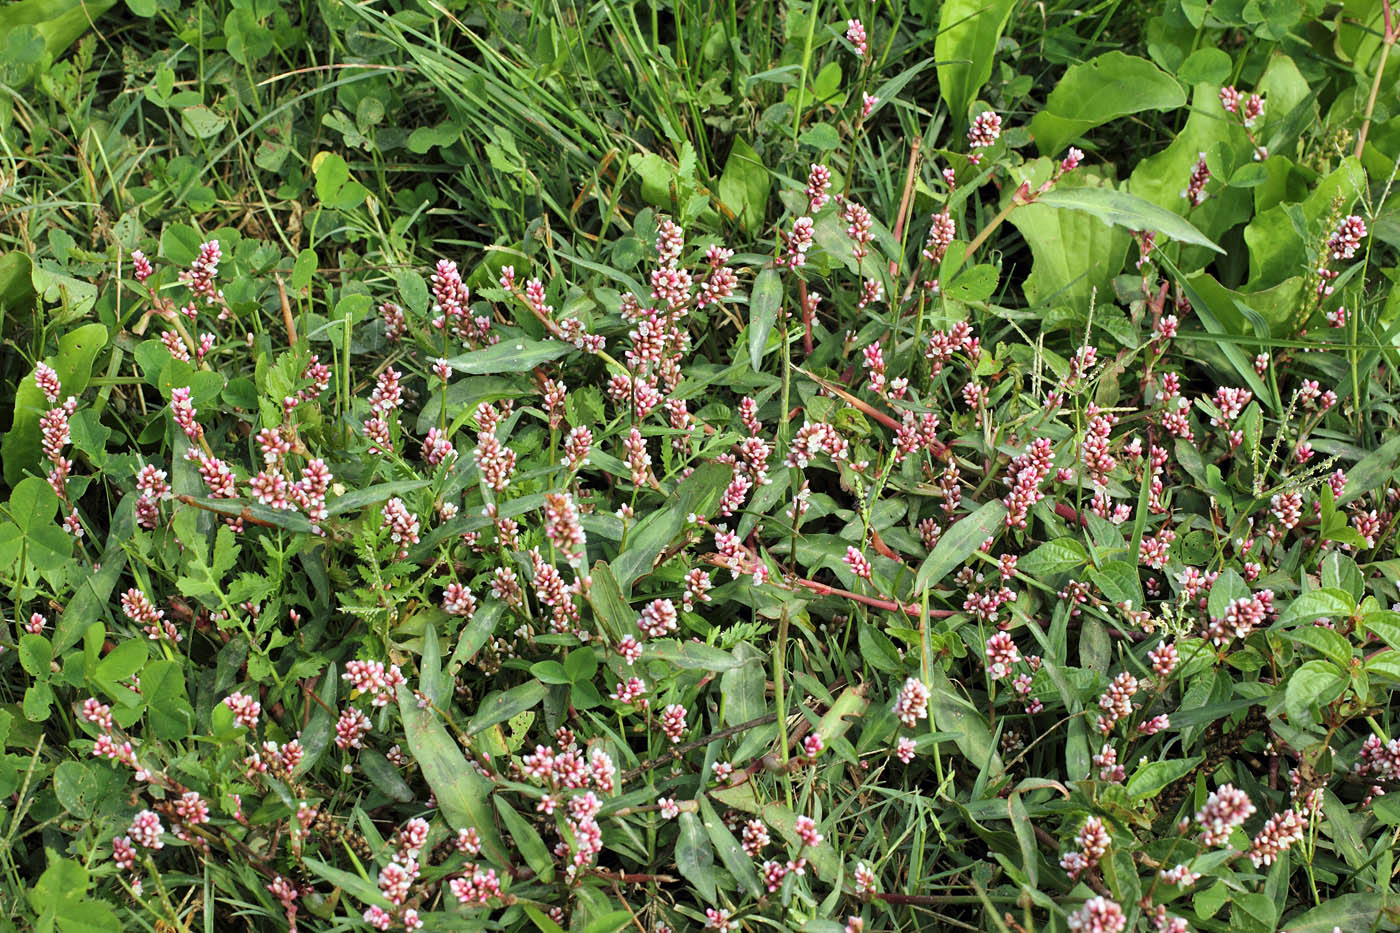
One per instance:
(733, 466)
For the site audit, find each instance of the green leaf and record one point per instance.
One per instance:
(550, 672)
(581, 664)
(1373, 471)
(1315, 683)
(744, 687)
(1102, 89)
(167, 707)
(373, 495)
(304, 270)
(527, 841)
(958, 543)
(1324, 641)
(764, 300)
(731, 854)
(122, 661)
(972, 283)
(201, 122)
(821, 136)
(950, 712)
(695, 859)
(652, 534)
(35, 653)
(77, 350)
(461, 790)
(88, 915)
(63, 880)
(965, 48)
(511, 355)
(1118, 581)
(1277, 248)
(82, 786)
(1209, 65)
(1348, 911)
(1126, 210)
(877, 650)
(1385, 625)
(1152, 777)
(361, 889)
(1073, 252)
(1228, 587)
(1333, 604)
(1058, 556)
(611, 922)
(59, 22)
(744, 185)
(692, 655)
(384, 775)
(499, 707)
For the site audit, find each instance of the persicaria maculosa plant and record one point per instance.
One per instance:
(791, 583)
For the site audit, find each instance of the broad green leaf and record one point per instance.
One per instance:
(650, 536)
(1228, 587)
(692, 655)
(167, 707)
(744, 687)
(965, 48)
(511, 355)
(877, 650)
(1253, 913)
(614, 921)
(1348, 911)
(550, 672)
(1385, 625)
(122, 661)
(731, 854)
(744, 185)
(605, 596)
(59, 22)
(850, 707)
(77, 350)
(82, 785)
(581, 664)
(1073, 252)
(764, 300)
(361, 889)
(1119, 582)
(35, 652)
(958, 543)
(695, 859)
(201, 122)
(1315, 604)
(1324, 641)
(527, 840)
(499, 707)
(1275, 305)
(461, 790)
(372, 495)
(385, 776)
(1102, 89)
(1373, 471)
(1152, 777)
(1315, 683)
(1058, 556)
(1277, 249)
(950, 712)
(1125, 210)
